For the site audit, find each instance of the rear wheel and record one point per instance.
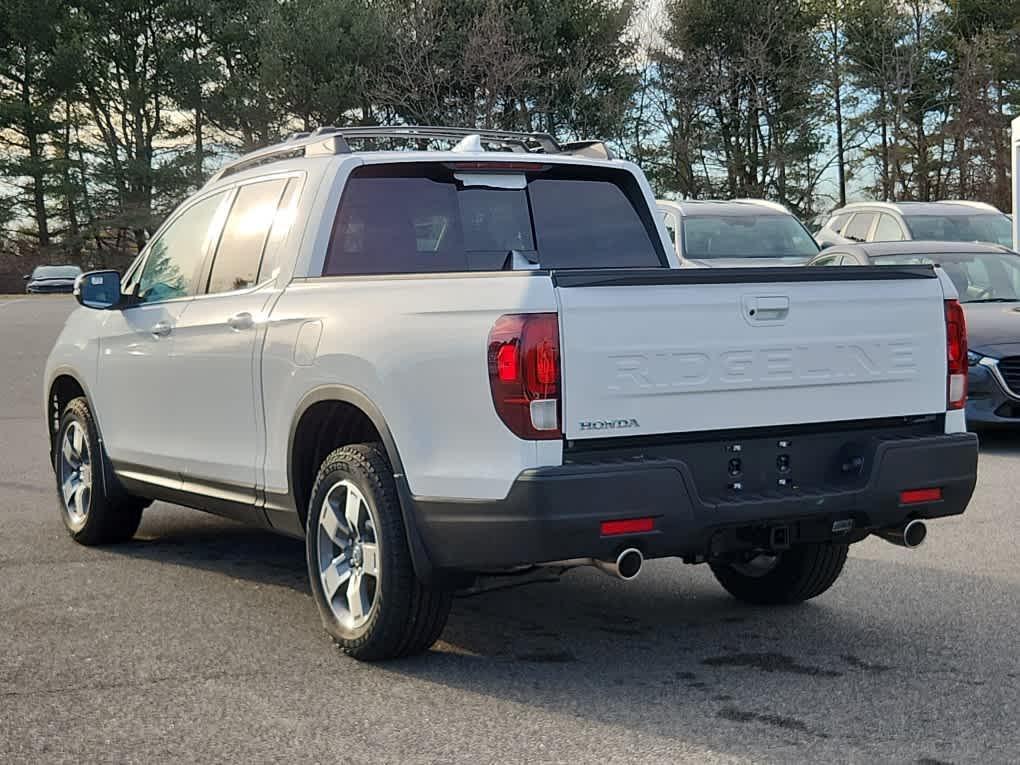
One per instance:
(94, 510)
(793, 576)
(359, 564)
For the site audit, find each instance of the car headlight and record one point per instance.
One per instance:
(973, 358)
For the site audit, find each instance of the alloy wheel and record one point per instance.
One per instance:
(348, 555)
(75, 473)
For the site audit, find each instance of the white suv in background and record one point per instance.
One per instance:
(949, 221)
(739, 232)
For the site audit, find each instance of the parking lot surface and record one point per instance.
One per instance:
(199, 642)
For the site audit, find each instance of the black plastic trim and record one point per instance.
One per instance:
(639, 277)
(933, 423)
(419, 555)
(238, 503)
(554, 513)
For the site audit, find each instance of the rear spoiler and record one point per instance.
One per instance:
(634, 277)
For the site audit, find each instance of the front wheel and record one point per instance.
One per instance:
(793, 576)
(95, 511)
(359, 564)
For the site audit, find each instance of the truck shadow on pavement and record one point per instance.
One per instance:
(220, 546)
(670, 656)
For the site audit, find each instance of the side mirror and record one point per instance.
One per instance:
(26, 277)
(98, 289)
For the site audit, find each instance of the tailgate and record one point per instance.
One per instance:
(670, 351)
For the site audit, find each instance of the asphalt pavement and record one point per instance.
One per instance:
(199, 642)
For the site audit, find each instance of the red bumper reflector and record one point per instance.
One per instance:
(629, 526)
(915, 496)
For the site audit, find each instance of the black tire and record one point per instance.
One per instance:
(405, 617)
(110, 514)
(801, 573)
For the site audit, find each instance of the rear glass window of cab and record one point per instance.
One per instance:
(436, 218)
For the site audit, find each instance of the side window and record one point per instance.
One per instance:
(859, 226)
(174, 259)
(239, 254)
(131, 275)
(286, 214)
(888, 230)
(836, 224)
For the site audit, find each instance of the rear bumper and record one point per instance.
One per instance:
(554, 513)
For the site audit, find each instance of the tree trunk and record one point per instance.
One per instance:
(67, 181)
(837, 88)
(199, 145)
(35, 153)
(887, 187)
(1003, 160)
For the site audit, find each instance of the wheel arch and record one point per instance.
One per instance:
(64, 386)
(349, 416)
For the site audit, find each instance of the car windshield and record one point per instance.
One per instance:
(746, 236)
(979, 277)
(56, 272)
(982, 227)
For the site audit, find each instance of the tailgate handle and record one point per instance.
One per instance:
(768, 308)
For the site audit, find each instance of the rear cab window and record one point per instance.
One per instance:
(441, 218)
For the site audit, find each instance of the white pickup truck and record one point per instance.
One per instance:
(435, 365)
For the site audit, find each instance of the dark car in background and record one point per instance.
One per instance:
(987, 278)
(47, 279)
(951, 221)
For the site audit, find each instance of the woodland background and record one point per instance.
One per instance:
(111, 112)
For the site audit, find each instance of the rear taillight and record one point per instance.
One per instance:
(524, 373)
(956, 356)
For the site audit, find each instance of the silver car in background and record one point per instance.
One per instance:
(739, 232)
(949, 221)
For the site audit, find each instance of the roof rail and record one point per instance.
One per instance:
(522, 141)
(969, 203)
(330, 141)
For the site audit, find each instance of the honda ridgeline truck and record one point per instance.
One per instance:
(435, 365)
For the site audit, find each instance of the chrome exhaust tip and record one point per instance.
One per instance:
(626, 566)
(910, 535)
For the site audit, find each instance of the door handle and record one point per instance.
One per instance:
(772, 308)
(162, 329)
(241, 321)
(766, 309)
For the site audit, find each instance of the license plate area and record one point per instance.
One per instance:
(734, 466)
